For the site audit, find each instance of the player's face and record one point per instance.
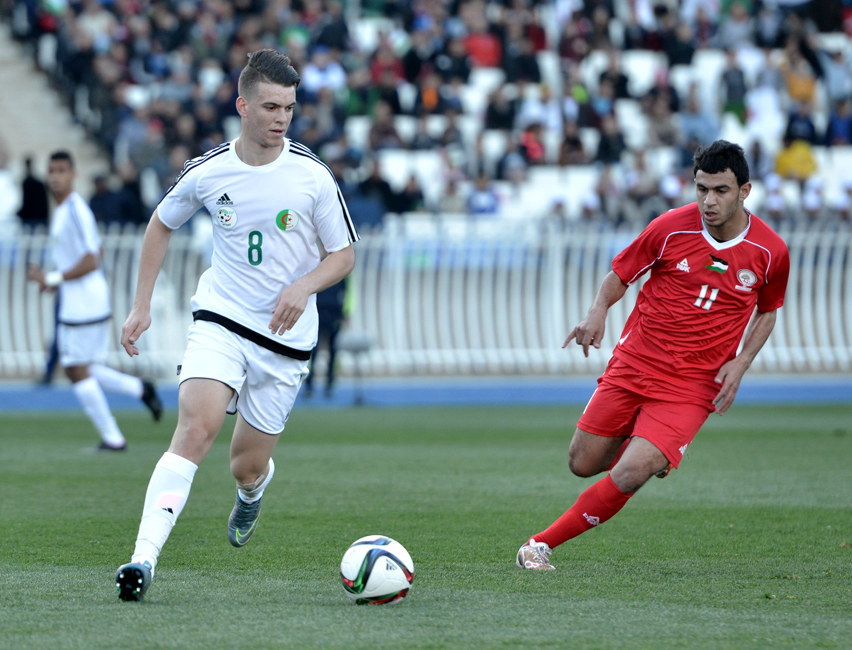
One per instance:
(267, 115)
(60, 178)
(720, 201)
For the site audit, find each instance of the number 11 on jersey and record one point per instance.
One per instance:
(703, 294)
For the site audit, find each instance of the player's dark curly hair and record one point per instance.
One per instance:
(718, 157)
(267, 66)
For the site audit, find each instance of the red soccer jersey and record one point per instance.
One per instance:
(691, 314)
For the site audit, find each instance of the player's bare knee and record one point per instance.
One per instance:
(628, 481)
(629, 477)
(581, 465)
(248, 472)
(76, 373)
(192, 439)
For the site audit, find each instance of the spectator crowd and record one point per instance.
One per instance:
(155, 83)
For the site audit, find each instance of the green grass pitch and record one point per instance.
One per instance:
(749, 544)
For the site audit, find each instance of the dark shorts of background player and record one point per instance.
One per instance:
(619, 408)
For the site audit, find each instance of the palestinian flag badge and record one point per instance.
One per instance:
(717, 264)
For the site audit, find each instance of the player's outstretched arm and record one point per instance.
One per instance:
(294, 298)
(154, 247)
(591, 329)
(731, 374)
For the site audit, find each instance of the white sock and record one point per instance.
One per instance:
(95, 405)
(253, 492)
(167, 493)
(115, 381)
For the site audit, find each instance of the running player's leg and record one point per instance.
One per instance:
(116, 382)
(591, 454)
(640, 461)
(253, 468)
(79, 347)
(251, 450)
(661, 435)
(212, 374)
(601, 501)
(270, 389)
(113, 380)
(601, 432)
(202, 405)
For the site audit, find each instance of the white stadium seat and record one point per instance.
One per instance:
(406, 126)
(396, 166)
(358, 131)
(367, 31)
(580, 181)
(493, 148)
(681, 78)
(590, 137)
(551, 70)
(591, 68)
(834, 41)
(708, 66)
(474, 100)
(735, 131)
(486, 79)
(632, 122)
(641, 68)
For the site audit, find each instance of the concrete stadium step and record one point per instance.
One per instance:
(36, 122)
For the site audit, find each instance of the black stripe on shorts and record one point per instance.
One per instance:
(251, 335)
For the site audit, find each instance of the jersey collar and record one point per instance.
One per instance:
(232, 152)
(722, 245)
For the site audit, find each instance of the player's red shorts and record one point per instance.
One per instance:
(616, 410)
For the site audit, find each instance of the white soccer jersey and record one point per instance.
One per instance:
(73, 233)
(266, 221)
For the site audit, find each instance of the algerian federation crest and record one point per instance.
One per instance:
(717, 264)
(227, 217)
(287, 220)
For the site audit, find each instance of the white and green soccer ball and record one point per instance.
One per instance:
(376, 570)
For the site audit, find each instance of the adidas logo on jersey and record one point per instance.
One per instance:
(683, 265)
(224, 200)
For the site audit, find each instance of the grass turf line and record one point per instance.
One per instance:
(748, 545)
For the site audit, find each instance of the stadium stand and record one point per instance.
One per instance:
(154, 82)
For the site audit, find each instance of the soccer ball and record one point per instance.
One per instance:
(376, 570)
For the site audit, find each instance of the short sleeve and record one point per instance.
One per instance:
(181, 201)
(331, 217)
(631, 263)
(771, 295)
(90, 241)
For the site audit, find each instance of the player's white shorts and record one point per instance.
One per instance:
(81, 345)
(266, 383)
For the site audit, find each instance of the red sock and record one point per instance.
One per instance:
(597, 504)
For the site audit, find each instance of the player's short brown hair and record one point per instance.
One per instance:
(267, 66)
(718, 157)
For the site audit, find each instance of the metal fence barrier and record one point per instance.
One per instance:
(446, 298)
